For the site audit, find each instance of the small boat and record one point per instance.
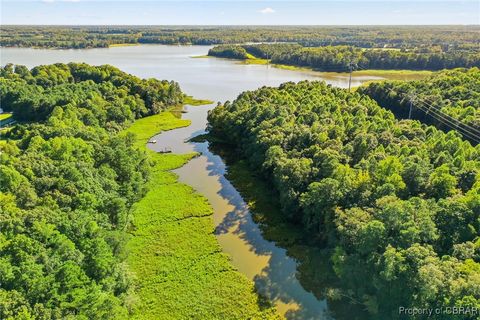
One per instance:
(152, 141)
(165, 150)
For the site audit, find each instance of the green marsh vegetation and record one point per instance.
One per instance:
(180, 269)
(396, 203)
(196, 102)
(112, 45)
(5, 116)
(405, 75)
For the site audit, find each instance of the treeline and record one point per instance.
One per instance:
(451, 93)
(342, 58)
(447, 37)
(67, 182)
(396, 202)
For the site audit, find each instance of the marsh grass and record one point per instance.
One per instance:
(201, 57)
(179, 269)
(122, 45)
(395, 74)
(4, 116)
(196, 102)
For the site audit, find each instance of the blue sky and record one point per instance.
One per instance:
(230, 12)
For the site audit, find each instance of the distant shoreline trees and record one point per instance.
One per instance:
(445, 38)
(344, 58)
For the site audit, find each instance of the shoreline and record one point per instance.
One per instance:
(388, 74)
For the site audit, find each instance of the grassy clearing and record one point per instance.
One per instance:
(4, 116)
(180, 270)
(122, 45)
(404, 75)
(196, 102)
(395, 74)
(292, 68)
(255, 61)
(251, 59)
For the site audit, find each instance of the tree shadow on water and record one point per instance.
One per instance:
(299, 273)
(278, 283)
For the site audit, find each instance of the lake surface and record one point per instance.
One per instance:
(273, 270)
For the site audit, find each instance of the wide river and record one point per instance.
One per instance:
(273, 270)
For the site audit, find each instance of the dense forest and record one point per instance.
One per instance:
(67, 182)
(447, 37)
(449, 99)
(342, 58)
(396, 201)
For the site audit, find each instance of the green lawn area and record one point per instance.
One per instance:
(179, 269)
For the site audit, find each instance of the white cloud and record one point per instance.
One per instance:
(267, 10)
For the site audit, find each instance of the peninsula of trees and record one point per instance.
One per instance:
(345, 58)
